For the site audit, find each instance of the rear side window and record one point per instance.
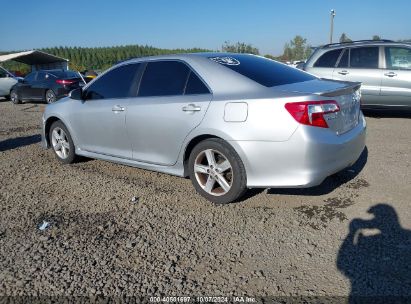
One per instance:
(195, 85)
(117, 83)
(264, 71)
(364, 57)
(328, 60)
(398, 58)
(164, 78)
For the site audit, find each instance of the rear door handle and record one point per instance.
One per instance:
(191, 108)
(390, 74)
(118, 108)
(343, 72)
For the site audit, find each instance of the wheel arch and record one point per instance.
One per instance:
(47, 127)
(190, 146)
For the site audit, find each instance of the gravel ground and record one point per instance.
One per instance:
(170, 241)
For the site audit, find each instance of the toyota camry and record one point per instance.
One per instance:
(227, 121)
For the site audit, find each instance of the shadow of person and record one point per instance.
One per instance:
(376, 257)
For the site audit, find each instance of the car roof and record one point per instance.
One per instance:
(182, 56)
(362, 43)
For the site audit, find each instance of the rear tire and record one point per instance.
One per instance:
(14, 97)
(62, 143)
(217, 172)
(50, 97)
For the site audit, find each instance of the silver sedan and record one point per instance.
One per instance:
(228, 121)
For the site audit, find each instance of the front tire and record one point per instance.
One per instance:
(50, 96)
(217, 172)
(62, 143)
(14, 97)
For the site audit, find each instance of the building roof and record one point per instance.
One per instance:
(32, 57)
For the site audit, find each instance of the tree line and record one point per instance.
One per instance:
(101, 58)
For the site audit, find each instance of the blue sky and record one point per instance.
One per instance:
(189, 23)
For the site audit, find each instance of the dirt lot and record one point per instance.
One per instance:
(173, 242)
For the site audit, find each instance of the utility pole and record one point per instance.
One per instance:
(332, 25)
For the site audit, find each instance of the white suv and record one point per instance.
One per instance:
(383, 67)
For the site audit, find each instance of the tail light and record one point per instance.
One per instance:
(311, 113)
(65, 81)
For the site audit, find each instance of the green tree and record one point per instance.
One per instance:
(239, 47)
(376, 37)
(344, 38)
(296, 49)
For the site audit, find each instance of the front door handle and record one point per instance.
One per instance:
(191, 108)
(390, 74)
(343, 72)
(118, 108)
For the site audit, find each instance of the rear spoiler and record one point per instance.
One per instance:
(350, 88)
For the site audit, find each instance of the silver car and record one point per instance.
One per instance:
(383, 67)
(228, 121)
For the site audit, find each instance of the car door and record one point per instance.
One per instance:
(99, 121)
(37, 87)
(396, 80)
(172, 101)
(25, 87)
(361, 64)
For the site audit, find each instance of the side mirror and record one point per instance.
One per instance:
(76, 94)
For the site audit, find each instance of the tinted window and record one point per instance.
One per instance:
(3, 73)
(164, 78)
(344, 60)
(195, 85)
(117, 83)
(328, 60)
(65, 74)
(264, 71)
(364, 57)
(398, 58)
(41, 76)
(30, 77)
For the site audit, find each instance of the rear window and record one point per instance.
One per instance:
(328, 60)
(64, 74)
(264, 71)
(164, 78)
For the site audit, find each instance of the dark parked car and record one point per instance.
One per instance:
(46, 86)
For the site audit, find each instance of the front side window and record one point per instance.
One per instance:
(398, 58)
(3, 73)
(364, 57)
(164, 78)
(117, 83)
(344, 59)
(328, 60)
(30, 77)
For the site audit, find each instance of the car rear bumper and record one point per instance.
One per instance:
(305, 160)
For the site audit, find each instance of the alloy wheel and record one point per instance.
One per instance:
(50, 97)
(213, 172)
(60, 143)
(14, 98)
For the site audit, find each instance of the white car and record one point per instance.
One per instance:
(7, 80)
